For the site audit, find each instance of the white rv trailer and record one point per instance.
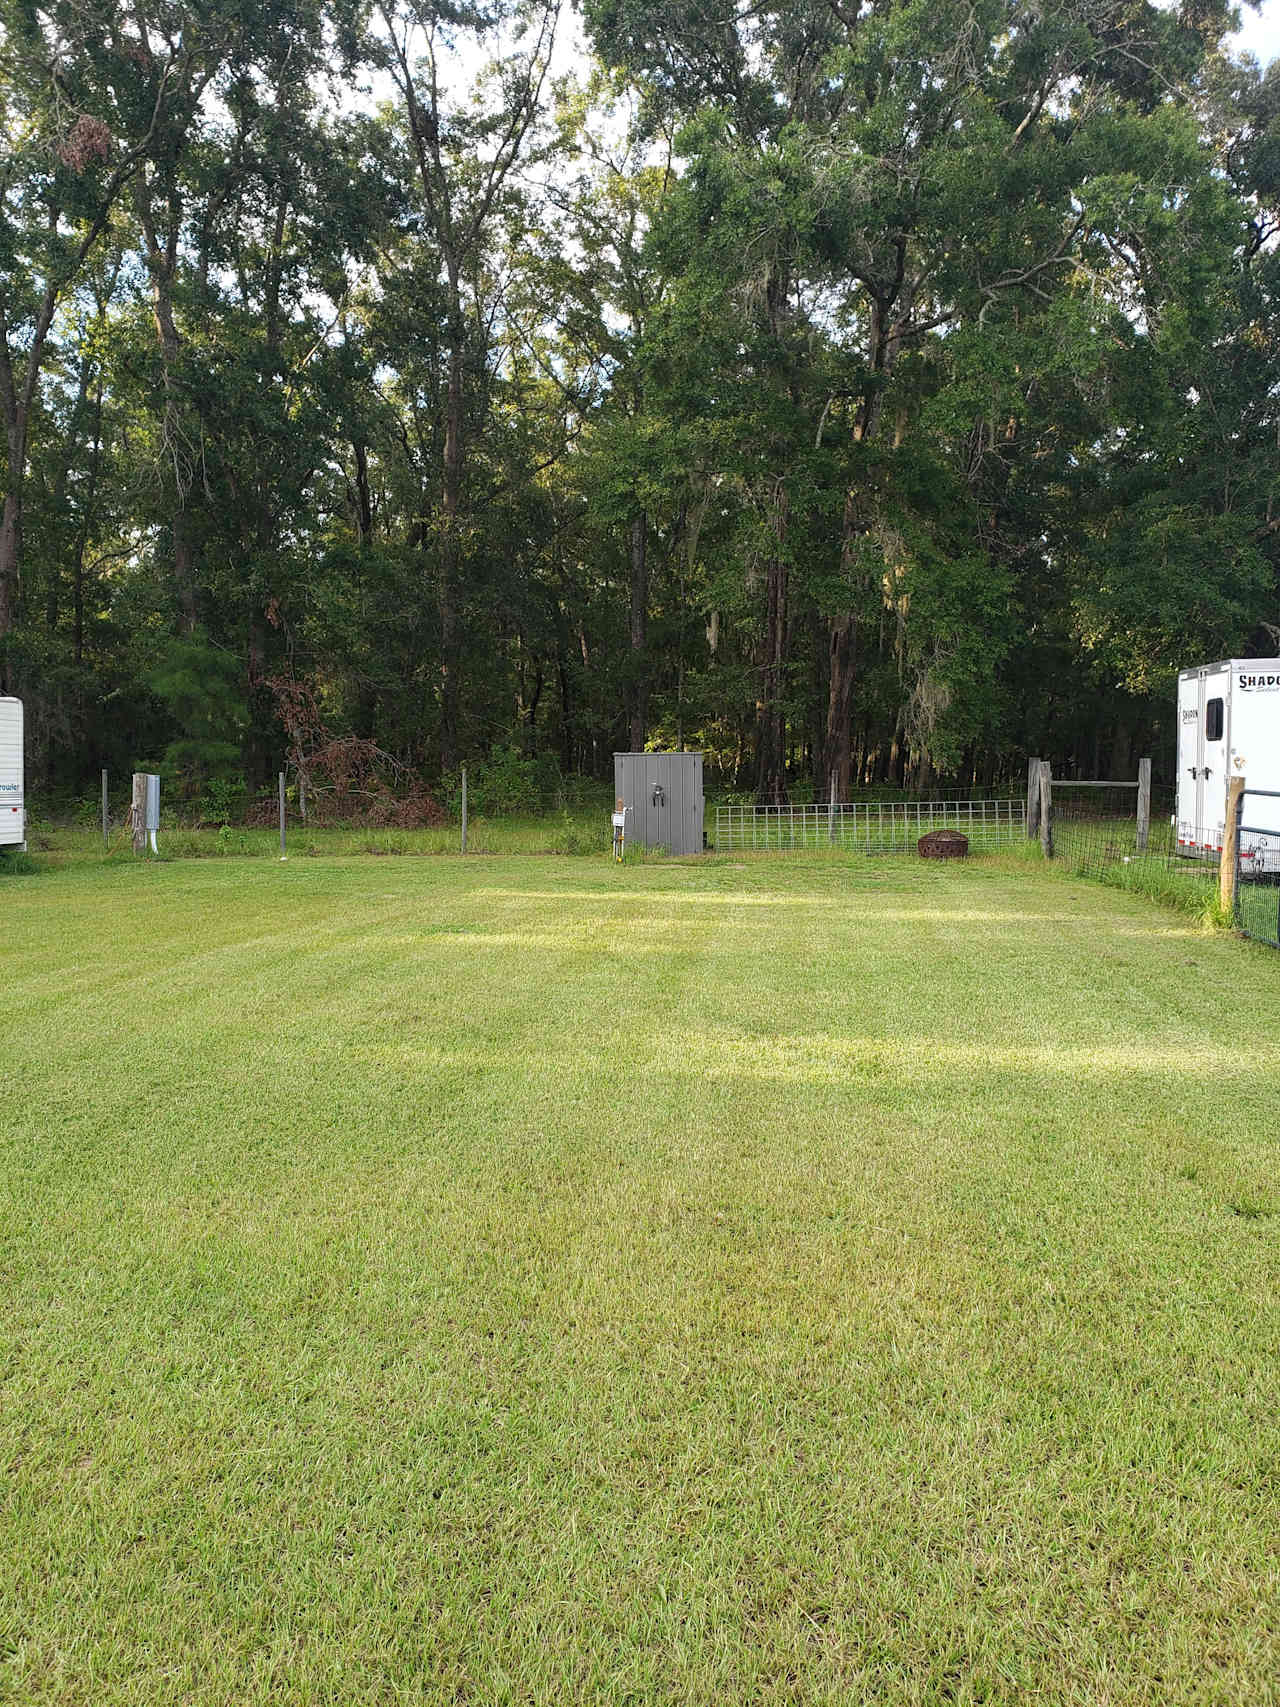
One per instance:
(1229, 725)
(13, 816)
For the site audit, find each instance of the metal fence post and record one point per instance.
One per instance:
(106, 815)
(1046, 808)
(282, 852)
(1144, 803)
(464, 809)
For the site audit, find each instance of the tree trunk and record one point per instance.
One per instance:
(364, 504)
(11, 522)
(771, 753)
(530, 712)
(261, 751)
(451, 553)
(839, 703)
(897, 773)
(1122, 755)
(816, 743)
(162, 264)
(843, 647)
(566, 714)
(86, 521)
(16, 400)
(184, 568)
(10, 559)
(886, 340)
(639, 695)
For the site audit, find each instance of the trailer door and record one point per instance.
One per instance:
(1212, 811)
(1188, 762)
(12, 811)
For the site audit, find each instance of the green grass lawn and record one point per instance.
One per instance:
(529, 1280)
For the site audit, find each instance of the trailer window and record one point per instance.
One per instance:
(1213, 720)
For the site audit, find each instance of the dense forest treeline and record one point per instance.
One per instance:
(883, 389)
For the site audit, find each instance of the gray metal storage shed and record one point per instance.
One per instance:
(663, 796)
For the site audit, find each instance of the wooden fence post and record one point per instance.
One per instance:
(283, 855)
(138, 812)
(1229, 864)
(1144, 803)
(1046, 808)
(1033, 799)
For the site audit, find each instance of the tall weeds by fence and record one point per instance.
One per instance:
(1094, 839)
(1095, 834)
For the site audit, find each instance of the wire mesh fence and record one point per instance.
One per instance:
(1094, 839)
(871, 826)
(1258, 866)
(1097, 835)
(1093, 833)
(1258, 908)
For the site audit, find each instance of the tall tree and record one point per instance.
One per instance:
(74, 148)
(599, 274)
(465, 158)
(926, 168)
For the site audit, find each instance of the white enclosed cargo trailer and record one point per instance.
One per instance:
(13, 816)
(1229, 725)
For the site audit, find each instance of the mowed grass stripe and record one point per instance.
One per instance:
(529, 1281)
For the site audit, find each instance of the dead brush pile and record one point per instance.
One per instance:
(354, 782)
